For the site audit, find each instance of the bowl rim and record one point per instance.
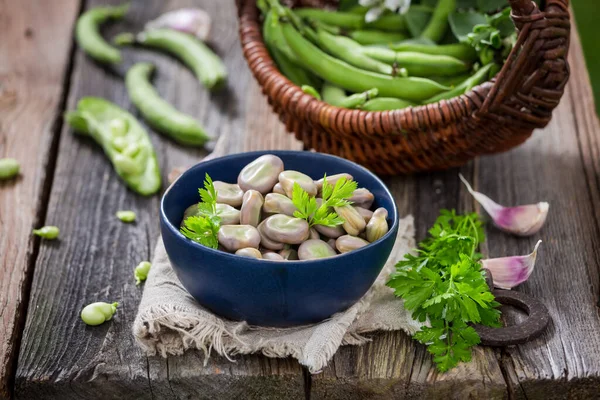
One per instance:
(256, 261)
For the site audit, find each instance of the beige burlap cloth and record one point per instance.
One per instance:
(170, 321)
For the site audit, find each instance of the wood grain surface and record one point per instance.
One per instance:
(34, 59)
(61, 358)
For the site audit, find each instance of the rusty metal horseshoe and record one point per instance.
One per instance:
(535, 324)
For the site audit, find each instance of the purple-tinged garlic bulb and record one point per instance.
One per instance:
(193, 21)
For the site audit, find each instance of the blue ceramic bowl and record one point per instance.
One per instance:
(272, 293)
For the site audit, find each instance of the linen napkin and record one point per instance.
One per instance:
(170, 321)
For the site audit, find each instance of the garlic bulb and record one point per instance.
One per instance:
(520, 220)
(508, 272)
(193, 21)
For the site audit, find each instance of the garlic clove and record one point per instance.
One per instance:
(520, 220)
(193, 21)
(508, 272)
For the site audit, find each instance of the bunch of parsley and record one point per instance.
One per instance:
(445, 284)
(204, 227)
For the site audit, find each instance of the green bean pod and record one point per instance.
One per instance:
(283, 55)
(371, 36)
(348, 50)
(88, 37)
(336, 96)
(311, 91)
(438, 24)
(349, 20)
(478, 77)
(418, 64)
(161, 115)
(123, 139)
(354, 79)
(461, 51)
(274, 37)
(452, 80)
(206, 65)
(386, 104)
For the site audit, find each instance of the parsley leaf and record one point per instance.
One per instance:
(333, 196)
(444, 283)
(204, 227)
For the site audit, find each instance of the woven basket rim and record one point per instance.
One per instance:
(453, 103)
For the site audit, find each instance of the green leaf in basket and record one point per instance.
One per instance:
(462, 23)
(466, 4)
(488, 6)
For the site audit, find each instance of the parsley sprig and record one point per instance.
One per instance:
(444, 283)
(333, 196)
(204, 227)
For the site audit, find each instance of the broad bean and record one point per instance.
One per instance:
(88, 37)
(261, 174)
(354, 79)
(126, 216)
(289, 178)
(438, 24)
(362, 198)
(270, 255)
(348, 50)
(9, 168)
(314, 249)
(347, 243)
(418, 64)
(207, 66)
(98, 313)
(386, 104)
(354, 223)
(141, 271)
(229, 193)
(460, 51)
(47, 232)
(235, 237)
(284, 229)
(250, 252)
(336, 96)
(251, 208)
(161, 115)
(377, 226)
(95, 117)
(349, 20)
(374, 37)
(278, 204)
(478, 77)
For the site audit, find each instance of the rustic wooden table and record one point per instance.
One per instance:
(47, 352)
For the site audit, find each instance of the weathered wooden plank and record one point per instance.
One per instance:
(34, 58)
(393, 365)
(556, 165)
(60, 356)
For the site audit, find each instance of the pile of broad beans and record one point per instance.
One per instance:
(438, 50)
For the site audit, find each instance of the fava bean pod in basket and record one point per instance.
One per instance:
(427, 122)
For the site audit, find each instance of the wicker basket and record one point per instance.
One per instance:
(493, 117)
